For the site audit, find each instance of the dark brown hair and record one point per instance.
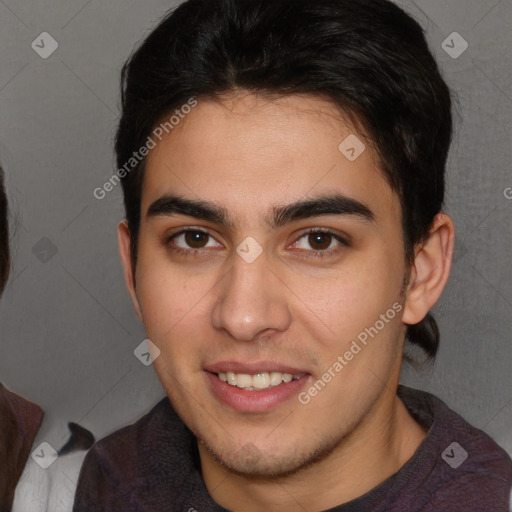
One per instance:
(368, 57)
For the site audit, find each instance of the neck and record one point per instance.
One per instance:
(382, 443)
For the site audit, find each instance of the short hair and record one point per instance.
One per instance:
(4, 235)
(367, 57)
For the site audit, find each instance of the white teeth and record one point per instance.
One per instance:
(264, 380)
(243, 380)
(275, 378)
(260, 381)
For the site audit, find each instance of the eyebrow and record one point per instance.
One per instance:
(334, 204)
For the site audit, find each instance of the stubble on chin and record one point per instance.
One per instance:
(250, 463)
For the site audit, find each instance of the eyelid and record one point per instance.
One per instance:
(184, 229)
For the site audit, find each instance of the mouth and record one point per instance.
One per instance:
(255, 387)
(257, 381)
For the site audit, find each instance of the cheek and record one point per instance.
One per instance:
(173, 303)
(174, 308)
(337, 306)
(357, 343)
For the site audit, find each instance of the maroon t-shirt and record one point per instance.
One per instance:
(19, 423)
(153, 466)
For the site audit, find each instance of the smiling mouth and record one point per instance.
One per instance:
(258, 381)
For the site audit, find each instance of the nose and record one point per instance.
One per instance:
(252, 301)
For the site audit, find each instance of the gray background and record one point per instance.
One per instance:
(67, 327)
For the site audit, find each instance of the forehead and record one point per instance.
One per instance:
(251, 153)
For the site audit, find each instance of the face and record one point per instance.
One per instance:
(265, 258)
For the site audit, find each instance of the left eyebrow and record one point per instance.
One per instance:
(336, 204)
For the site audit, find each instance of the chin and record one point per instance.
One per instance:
(252, 462)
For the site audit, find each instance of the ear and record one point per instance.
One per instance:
(123, 238)
(430, 270)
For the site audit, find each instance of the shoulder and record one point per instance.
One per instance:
(126, 447)
(473, 449)
(134, 459)
(20, 421)
(465, 466)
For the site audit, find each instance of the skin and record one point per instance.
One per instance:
(300, 303)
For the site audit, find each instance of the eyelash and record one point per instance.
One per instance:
(312, 253)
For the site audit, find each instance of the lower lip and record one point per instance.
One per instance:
(254, 401)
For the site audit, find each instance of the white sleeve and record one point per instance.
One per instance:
(32, 489)
(64, 479)
(48, 490)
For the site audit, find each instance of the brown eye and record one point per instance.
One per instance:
(196, 239)
(192, 240)
(320, 241)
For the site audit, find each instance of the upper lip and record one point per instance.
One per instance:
(252, 368)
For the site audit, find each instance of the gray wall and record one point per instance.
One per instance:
(67, 327)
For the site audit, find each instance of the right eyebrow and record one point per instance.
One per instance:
(169, 205)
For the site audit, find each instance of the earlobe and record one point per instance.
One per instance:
(124, 238)
(430, 270)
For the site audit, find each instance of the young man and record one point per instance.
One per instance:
(282, 164)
